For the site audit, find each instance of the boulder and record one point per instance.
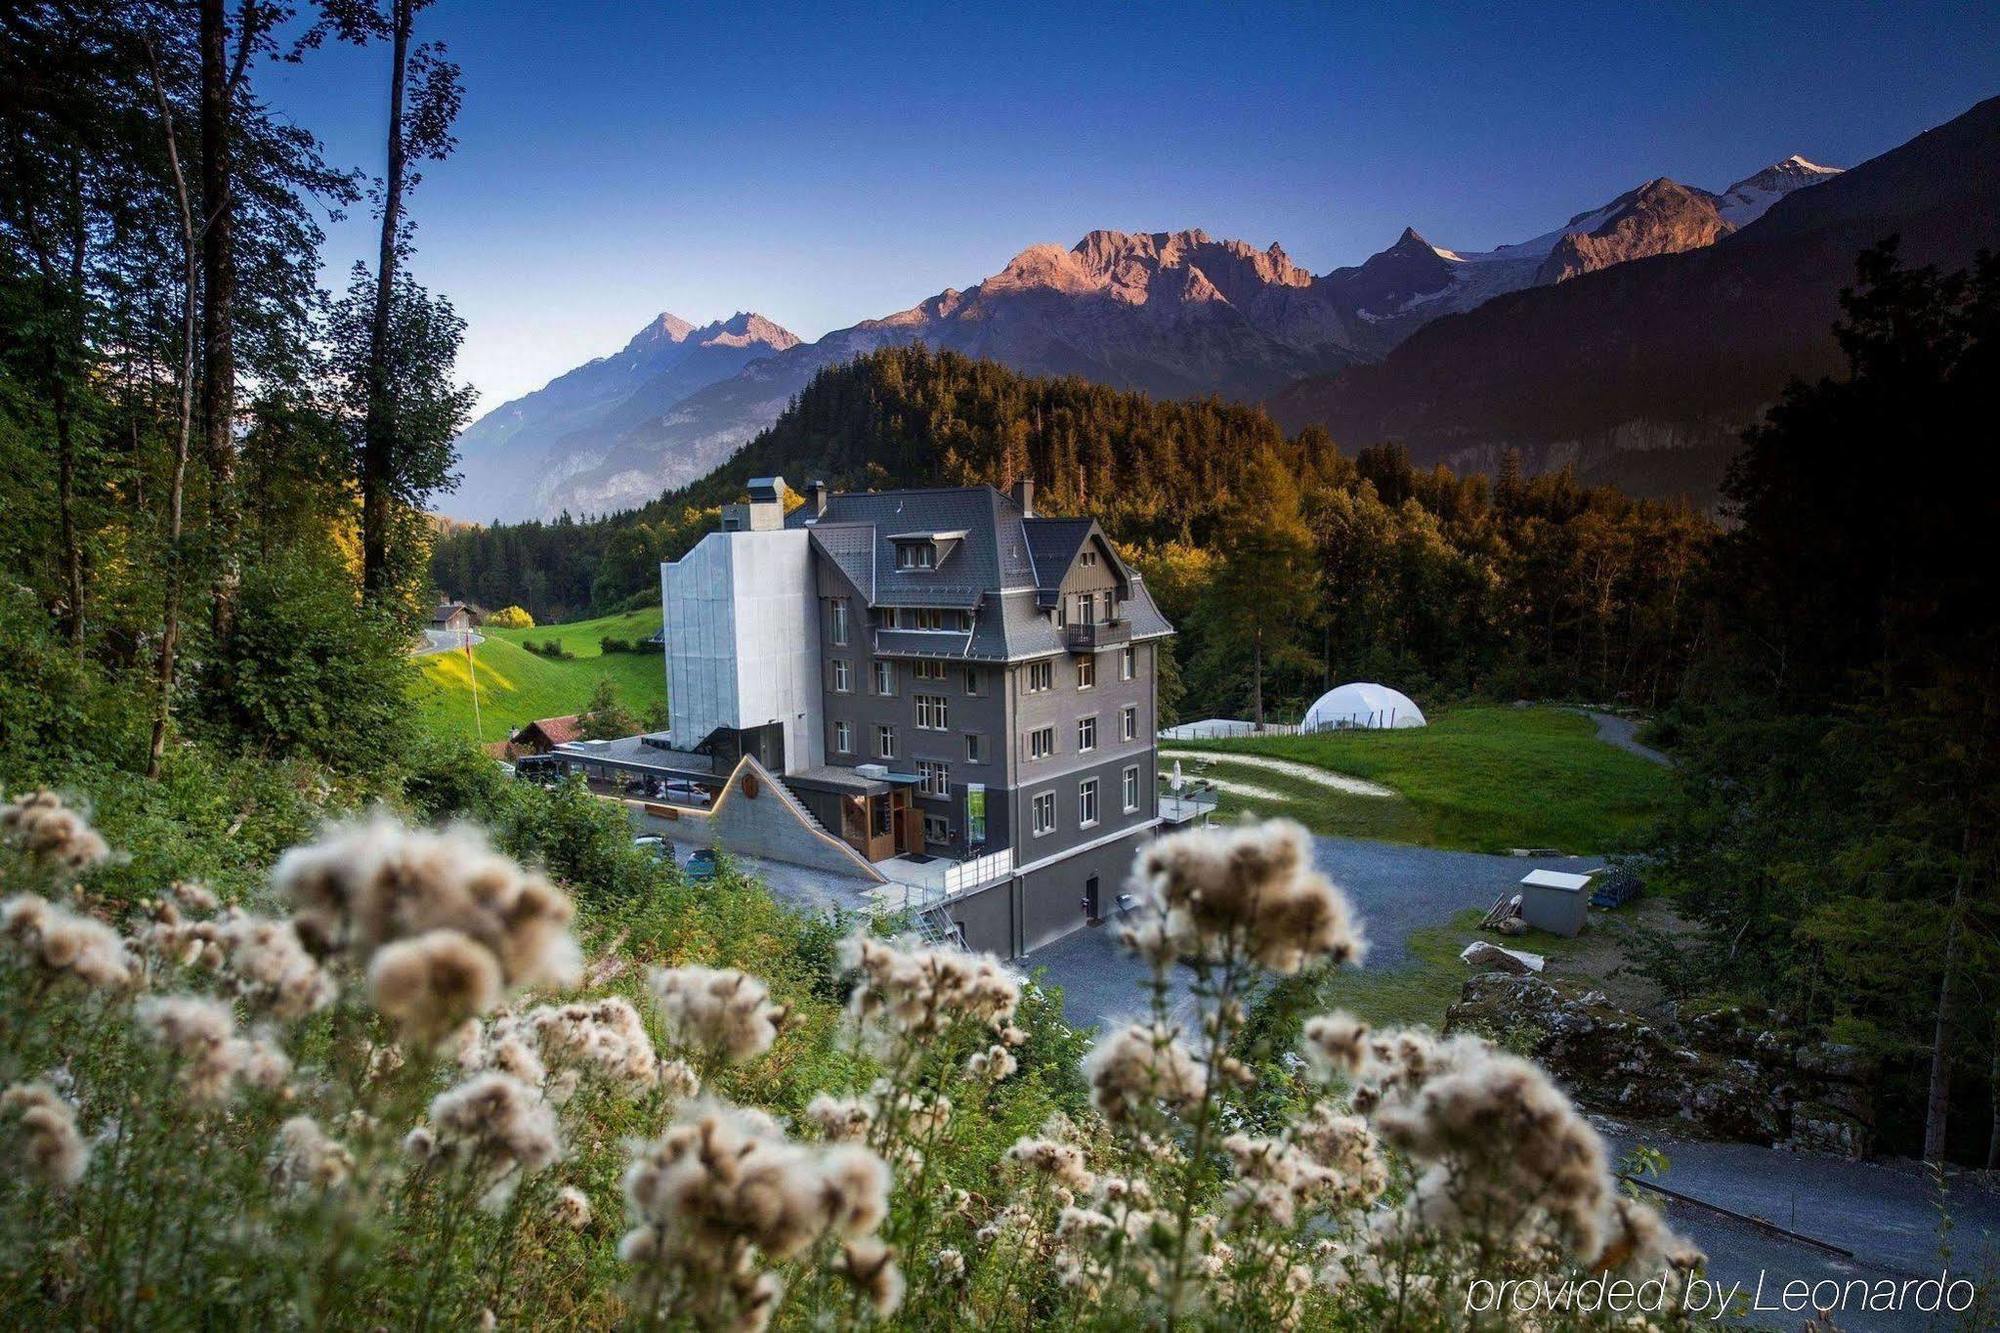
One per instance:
(1721, 1072)
(1491, 957)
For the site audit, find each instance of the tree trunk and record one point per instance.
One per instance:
(1993, 1134)
(378, 431)
(1937, 1104)
(170, 626)
(72, 541)
(218, 329)
(1257, 680)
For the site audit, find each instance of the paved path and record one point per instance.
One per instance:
(445, 640)
(1291, 768)
(1886, 1213)
(1623, 733)
(1394, 888)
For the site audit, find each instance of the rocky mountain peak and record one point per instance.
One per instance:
(1748, 199)
(746, 329)
(1661, 217)
(664, 328)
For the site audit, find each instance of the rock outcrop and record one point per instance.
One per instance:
(1725, 1072)
(1661, 217)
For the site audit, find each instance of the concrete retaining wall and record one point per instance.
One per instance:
(755, 816)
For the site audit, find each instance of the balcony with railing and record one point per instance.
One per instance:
(1092, 636)
(914, 885)
(1190, 805)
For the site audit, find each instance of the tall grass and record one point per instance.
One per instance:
(246, 1116)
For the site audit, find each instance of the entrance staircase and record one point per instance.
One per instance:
(935, 927)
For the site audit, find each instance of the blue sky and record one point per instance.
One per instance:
(826, 163)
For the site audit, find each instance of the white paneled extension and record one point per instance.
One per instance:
(742, 613)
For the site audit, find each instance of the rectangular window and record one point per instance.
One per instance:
(1086, 734)
(885, 740)
(975, 748)
(1128, 723)
(931, 713)
(1086, 802)
(936, 619)
(1128, 663)
(1088, 559)
(915, 555)
(1041, 742)
(843, 676)
(1086, 672)
(1041, 676)
(928, 670)
(937, 828)
(885, 678)
(840, 622)
(933, 778)
(843, 738)
(1131, 789)
(972, 680)
(1044, 807)
(1086, 607)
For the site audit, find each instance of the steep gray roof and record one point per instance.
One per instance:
(1053, 543)
(1005, 570)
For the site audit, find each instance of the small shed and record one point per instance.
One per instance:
(1555, 900)
(451, 616)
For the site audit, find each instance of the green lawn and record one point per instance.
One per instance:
(516, 686)
(1319, 808)
(1431, 982)
(1477, 778)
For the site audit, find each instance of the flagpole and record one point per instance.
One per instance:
(472, 670)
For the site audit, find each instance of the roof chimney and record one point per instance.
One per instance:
(1024, 495)
(816, 498)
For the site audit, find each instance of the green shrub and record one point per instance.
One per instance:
(510, 617)
(309, 670)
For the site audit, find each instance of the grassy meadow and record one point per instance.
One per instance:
(517, 686)
(1482, 778)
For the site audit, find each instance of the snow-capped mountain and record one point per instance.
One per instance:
(1744, 202)
(1398, 291)
(1645, 374)
(1175, 314)
(518, 458)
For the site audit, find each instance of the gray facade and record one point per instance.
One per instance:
(987, 684)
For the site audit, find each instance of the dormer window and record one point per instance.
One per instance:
(921, 551)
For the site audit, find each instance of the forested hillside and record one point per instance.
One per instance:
(1515, 586)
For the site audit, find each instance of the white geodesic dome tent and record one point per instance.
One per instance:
(1362, 705)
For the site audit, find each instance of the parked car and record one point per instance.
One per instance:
(701, 865)
(661, 849)
(546, 769)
